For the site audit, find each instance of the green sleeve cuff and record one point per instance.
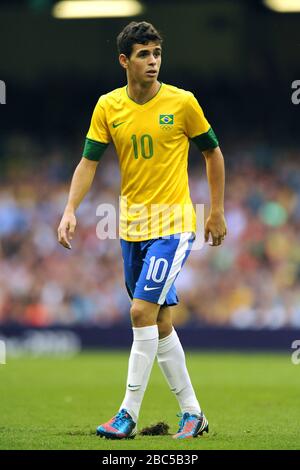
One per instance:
(93, 150)
(207, 140)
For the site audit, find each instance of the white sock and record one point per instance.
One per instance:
(171, 360)
(142, 355)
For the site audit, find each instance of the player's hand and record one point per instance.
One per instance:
(66, 229)
(216, 227)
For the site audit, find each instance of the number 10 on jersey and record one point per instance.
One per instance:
(142, 146)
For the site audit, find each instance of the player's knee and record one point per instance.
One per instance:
(138, 316)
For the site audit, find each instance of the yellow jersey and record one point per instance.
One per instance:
(152, 143)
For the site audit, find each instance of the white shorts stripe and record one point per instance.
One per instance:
(176, 265)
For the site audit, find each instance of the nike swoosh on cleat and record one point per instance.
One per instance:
(150, 288)
(117, 125)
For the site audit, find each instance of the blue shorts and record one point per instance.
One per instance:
(151, 266)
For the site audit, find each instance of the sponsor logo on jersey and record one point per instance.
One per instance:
(117, 124)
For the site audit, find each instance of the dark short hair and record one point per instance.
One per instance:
(136, 33)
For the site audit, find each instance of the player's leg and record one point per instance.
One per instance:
(145, 326)
(123, 425)
(142, 355)
(143, 313)
(141, 359)
(171, 360)
(151, 286)
(162, 259)
(164, 321)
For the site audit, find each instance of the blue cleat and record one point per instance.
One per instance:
(191, 426)
(120, 426)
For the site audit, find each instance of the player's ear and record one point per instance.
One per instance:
(123, 61)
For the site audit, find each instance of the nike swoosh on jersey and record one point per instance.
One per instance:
(118, 124)
(150, 288)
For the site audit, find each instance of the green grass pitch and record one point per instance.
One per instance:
(250, 400)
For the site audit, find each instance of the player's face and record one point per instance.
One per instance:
(144, 63)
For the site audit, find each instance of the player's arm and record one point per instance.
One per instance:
(215, 224)
(81, 182)
(96, 142)
(200, 132)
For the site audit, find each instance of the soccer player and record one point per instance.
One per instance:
(150, 124)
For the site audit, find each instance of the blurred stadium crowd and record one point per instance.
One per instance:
(251, 281)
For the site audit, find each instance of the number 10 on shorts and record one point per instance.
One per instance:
(154, 267)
